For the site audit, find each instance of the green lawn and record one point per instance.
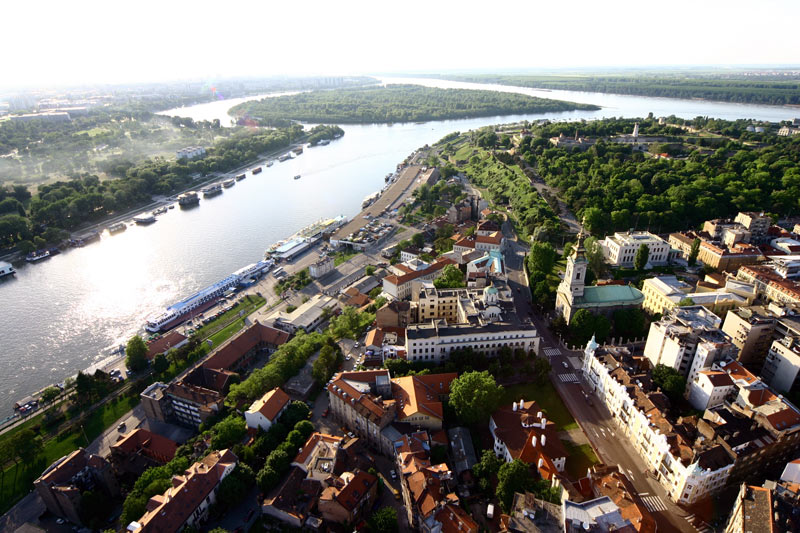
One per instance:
(579, 458)
(248, 305)
(341, 257)
(547, 397)
(227, 332)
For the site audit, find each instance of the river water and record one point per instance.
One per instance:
(64, 314)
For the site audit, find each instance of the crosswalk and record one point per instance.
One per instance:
(568, 378)
(702, 528)
(552, 352)
(654, 504)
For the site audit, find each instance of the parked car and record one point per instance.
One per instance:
(356, 345)
(325, 413)
(121, 427)
(564, 363)
(393, 474)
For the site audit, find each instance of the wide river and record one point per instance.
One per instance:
(65, 314)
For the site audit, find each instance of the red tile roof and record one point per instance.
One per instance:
(271, 403)
(150, 444)
(228, 354)
(455, 520)
(437, 265)
(311, 444)
(356, 490)
(420, 394)
(164, 343)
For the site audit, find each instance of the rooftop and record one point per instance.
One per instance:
(270, 404)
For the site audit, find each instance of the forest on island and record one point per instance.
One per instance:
(394, 103)
(773, 90)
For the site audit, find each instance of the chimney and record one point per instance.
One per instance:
(544, 422)
(539, 464)
(538, 414)
(514, 406)
(521, 403)
(544, 439)
(533, 441)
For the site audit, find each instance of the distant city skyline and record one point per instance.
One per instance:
(51, 43)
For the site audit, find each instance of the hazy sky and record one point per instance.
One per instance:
(54, 42)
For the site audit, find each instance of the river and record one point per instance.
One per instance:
(64, 314)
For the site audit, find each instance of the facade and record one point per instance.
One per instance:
(664, 293)
(321, 267)
(782, 365)
(620, 249)
(771, 282)
(488, 242)
(751, 330)
(62, 483)
(492, 264)
(434, 341)
(308, 316)
(573, 294)
(709, 389)
(756, 223)
(420, 399)
(187, 501)
(395, 314)
(180, 402)
(135, 452)
(348, 498)
(267, 410)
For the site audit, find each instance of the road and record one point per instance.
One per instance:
(595, 421)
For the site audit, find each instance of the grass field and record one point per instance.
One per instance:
(547, 397)
(341, 257)
(579, 458)
(248, 305)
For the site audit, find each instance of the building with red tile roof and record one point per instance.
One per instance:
(187, 501)
(610, 482)
(454, 519)
(266, 410)
(172, 340)
(521, 431)
(239, 351)
(399, 286)
(348, 497)
(62, 484)
(140, 449)
(319, 456)
(420, 398)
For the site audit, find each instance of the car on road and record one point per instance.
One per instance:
(393, 474)
(356, 345)
(121, 427)
(564, 364)
(347, 357)
(325, 413)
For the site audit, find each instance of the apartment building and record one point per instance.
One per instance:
(462, 306)
(180, 402)
(756, 223)
(521, 431)
(187, 502)
(267, 410)
(771, 281)
(688, 340)
(620, 249)
(782, 365)
(399, 286)
(433, 342)
(751, 330)
(709, 388)
(724, 255)
(664, 293)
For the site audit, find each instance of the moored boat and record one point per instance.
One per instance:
(270, 163)
(284, 157)
(161, 210)
(188, 198)
(144, 219)
(297, 177)
(240, 177)
(212, 190)
(116, 228)
(257, 170)
(229, 183)
(38, 255)
(6, 269)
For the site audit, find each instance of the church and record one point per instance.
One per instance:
(573, 294)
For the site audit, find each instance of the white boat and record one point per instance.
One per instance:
(6, 269)
(145, 219)
(297, 177)
(229, 183)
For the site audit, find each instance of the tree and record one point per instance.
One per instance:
(684, 302)
(325, 365)
(670, 381)
(235, 486)
(369, 270)
(542, 257)
(383, 521)
(227, 432)
(584, 324)
(50, 393)
(160, 363)
(595, 257)
(474, 396)
(695, 249)
(642, 255)
(450, 278)
(630, 323)
(267, 479)
(296, 412)
(136, 354)
(485, 469)
(513, 477)
(418, 240)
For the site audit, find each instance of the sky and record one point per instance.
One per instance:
(47, 42)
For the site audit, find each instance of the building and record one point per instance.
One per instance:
(782, 365)
(610, 482)
(399, 286)
(521, 431)
(459, 306)
(756, 223)
(529, 514)
(180, 402)
(385, 343)
(434, 341)
(348, 498)
(135, 452)
(573, 294)
(61, 485)
(395, 314)
(463, 452)
(241, 350)
(487, 242)
(319, 455)
(687, 467)
(267, 410)
(322, 267)
(772, 280)
(308, 316)
(664, 293)
(599, 514)
(419, 399)
(688, 340)
(709, 389)
(191, 152)
(492, 264)
(170, 341)
(53, 117)
(751, 330)
(620, 249)
(752, 511)
(187, 501)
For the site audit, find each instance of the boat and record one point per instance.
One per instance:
(305, 238)
(55, 250)
(240, 177)
(298, 150)
(297, 177)
(83, 240)
(257, 170)
(116, 228)
(284, 157)
(188, 199)
(171, 206)
(212, 190)
(197, 303)
(324, 142)
(370, 199)
(38, 255)
(229, 183)
(6, 269)
(145, 219)
(270, 163)
(161, 210)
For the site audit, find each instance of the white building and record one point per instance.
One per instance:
(709, 389)
(398, 286)
(687, 478)
(321, 267)
(308, 316)
(434, 341)
(191, 152)
(265, 411)
(620, 249)
(782, 364)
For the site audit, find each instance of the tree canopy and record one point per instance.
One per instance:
(450, 278)
(136, 354)
(474, 396)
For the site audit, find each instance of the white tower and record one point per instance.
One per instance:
(574, 281)
(635, 131)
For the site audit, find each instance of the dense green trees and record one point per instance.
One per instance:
(486, 469)
(323, 132)
(584, 324)
(450, 278)
(693, 251)
(350, 324)
(671, 382)
(474, 396)
(641, 257)
(383, 521)
(394, 103)
(326, 364)
(731, 87)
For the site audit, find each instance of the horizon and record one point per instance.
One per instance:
(82, 45)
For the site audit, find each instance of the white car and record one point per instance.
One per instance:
(356, 345)
(347, 357)
(565, 364)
